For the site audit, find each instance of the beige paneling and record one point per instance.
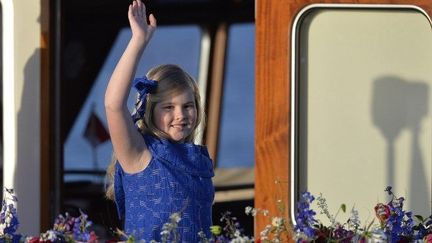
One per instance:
(365, 118)
(21, 107)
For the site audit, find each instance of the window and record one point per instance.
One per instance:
(237, 127)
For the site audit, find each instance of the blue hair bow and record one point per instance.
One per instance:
(144, 86)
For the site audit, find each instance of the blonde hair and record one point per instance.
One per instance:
(171, 80)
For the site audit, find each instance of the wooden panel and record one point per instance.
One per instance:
(272, 106)
(46, 183)
(216, 77)
(272, 145)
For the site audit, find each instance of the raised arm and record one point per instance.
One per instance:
(129, 146)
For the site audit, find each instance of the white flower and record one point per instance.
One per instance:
(175, 217)
(165, 232)
(265, 232)
(250, 210)
(377, 236)
(50, 235)
(240, 239)
(354, 221)
(254, 211)
(277, 221)
(8, 220)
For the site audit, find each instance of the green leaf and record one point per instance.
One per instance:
(130, 239)
(419, 217)
(343, 207)
(370, 225)
(216, 229)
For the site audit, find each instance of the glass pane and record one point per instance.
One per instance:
(184, 51)
(364, 118)
(237, 129)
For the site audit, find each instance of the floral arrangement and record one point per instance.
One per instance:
(231, 232)
(277, 229)
(66, 228)
(8, 218)
(394, 223)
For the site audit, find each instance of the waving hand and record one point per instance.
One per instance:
(141, 29)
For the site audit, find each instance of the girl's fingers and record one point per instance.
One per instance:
(152, 20)
(138, 9)
(130, 11)
(134, 8)
(139, 6)
(138, 18)
(143, 9)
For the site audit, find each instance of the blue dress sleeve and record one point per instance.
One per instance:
(119, 194)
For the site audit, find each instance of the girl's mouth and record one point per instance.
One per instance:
(180, 126)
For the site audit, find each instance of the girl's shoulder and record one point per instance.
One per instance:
(156, 143)
(188, 157)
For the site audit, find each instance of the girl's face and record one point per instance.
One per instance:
(176, 115)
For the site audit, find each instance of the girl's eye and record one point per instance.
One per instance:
(189, 106)
(169, 107)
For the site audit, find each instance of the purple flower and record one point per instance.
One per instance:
(8, 217)
(400, 223)
(340, 234)
(305, 216)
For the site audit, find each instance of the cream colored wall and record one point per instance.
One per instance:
(21, 108)
(365, 100)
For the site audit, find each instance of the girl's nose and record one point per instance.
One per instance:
(180, 113)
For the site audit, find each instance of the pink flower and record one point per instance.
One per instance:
(382, 212)
(33, 240)
(428, 238)
(93, 237)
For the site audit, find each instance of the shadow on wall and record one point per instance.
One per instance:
(27, 164)
(398, 104)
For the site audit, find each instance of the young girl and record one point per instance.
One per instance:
(158, 171)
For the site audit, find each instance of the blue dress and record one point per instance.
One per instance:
(178, 179)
